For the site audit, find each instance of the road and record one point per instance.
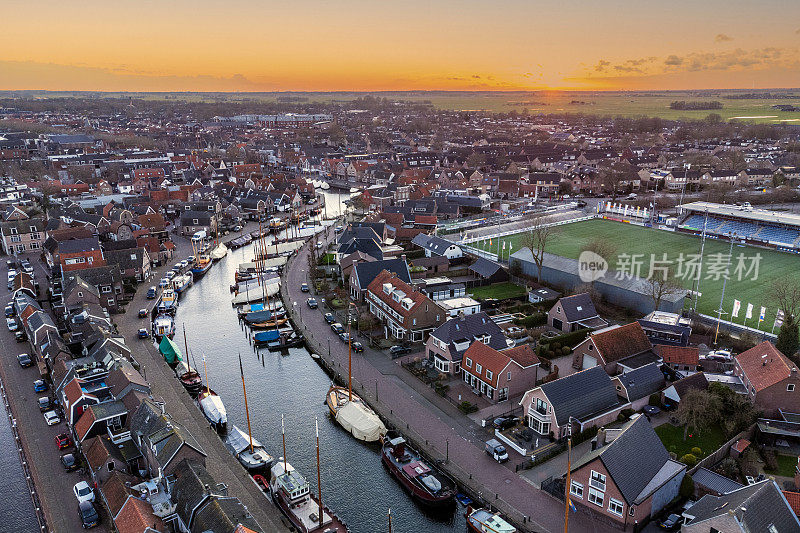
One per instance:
(52, 483)
(410, 404)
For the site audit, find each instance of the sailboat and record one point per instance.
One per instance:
(219, 252)
(202, 262)
(211, 405)
(187, 375)
(250, 453)
(485, 521)
(291, 492)
(349, 410)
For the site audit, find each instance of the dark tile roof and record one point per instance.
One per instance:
(578, 307)
(756, 507)
(581, 395)
(485, 268)
(72, 246)
(715, 482)
(632, 459)
(368, 270)
(695, 381)
(467, 328)
(643, 381)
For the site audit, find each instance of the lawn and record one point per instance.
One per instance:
(571, 239)
(501, 291)
(672, 437)
(786, 466)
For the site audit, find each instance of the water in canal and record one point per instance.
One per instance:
(16, 506)
(355, 484)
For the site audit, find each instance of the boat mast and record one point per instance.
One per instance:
(205, 371)
(349, 356)
(185, 343)
(283, 436)
(319, 477)
(569, 468)
(246, 410)
(390, 520)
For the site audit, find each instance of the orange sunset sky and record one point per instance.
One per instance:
(350, 45)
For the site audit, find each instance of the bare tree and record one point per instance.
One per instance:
(536, 239)
(602, 247)
(697, 410)
(787, 293)
(662, 286)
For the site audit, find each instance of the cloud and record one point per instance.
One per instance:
(721, 38)
(602, 65)
(673, 60)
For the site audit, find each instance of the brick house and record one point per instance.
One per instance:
(406, 313)
(581, 400)
(498, 375)
(446, 344)
(617, 346)
(771, 379)
(680, 358)
(574, 312)
(626, 480)
(22, 236)
(76, 254)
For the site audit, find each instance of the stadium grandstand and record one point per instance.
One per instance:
(754, 226)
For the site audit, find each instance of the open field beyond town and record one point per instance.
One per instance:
(571, 239)
(599, 103)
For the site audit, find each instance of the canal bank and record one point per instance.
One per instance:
(399, 400)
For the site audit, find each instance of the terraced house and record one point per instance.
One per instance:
(22, 236)
(405, 313)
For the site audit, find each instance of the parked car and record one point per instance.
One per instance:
(24, 360)
(183, 264)
(63, 441)
(51, 417)
(163, 283)
(344, 336)
(39, 385)
(9, 311)
(304, 288)
(20, 335)
(83, 492)
(319, 246)
(312, 303)
(337, 328)
(142, 333)
(69, 462)
(44, 403)
(151, 293)
(358, 347)
(670, 523)
(399, 350)
(496, 450)
(11, 324)
(651, 410)
(504, 422)
(237, 227)
(88, 515)
(142, 313)
(329, 318)
(169, 275)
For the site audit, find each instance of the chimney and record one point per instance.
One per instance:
(403, 257)
(601, 437)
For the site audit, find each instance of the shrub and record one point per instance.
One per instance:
(697, 451)
(687, 487)
(689, 460)
(565, 350)
(555, 345)
(770, 460)
(551, 354)
(467, 407)
(655, 400)
(729, 468)
(627, 413)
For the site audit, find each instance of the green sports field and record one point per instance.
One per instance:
(571, 239)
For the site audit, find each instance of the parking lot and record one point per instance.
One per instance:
(52, 482)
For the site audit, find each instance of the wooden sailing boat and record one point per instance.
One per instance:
(211, 405)
(250, 453)
(187, 375)
(291, 492)
(348, 409)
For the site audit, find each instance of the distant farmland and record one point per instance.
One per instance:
(571, 239)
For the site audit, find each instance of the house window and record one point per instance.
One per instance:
(80, 294)
(541, 406)
(110, 466)
(468, 363)
(615, 507)
(596, 497)
(13, 231)
(489, 374)
(105, 289)
(576, 489)
(15, 238)
(33, 229)
(598, 481)
(478, 368)
(90, 259)
(790, 387)
(508, 377)
(194, 221)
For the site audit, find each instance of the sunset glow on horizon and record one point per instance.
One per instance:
(356, 45)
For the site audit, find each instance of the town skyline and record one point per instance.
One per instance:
(443, 46)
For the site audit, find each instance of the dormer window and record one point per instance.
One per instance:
(478, 368)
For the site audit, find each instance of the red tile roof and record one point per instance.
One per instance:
(85, 423)
(417, 298)
(679, 355)
(764, 365)
(741, 445)
(136, 516)
(618, 343)
(523, 355)
(489, 359)
(793, 498)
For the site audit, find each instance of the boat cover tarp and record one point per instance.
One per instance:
(361, 423)
(239, 441)
(483, 520)
(258, 316)
(267, 336)
(181, 368)
(213, 408)
(169, 350)
(219, 252)
(270, 289)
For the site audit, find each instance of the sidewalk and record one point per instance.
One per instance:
(431, 423)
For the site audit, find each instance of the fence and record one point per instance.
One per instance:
(371, 395)
(722, 452)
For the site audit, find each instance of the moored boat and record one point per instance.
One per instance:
(252, 308)
(168, 302)
(189, 378)
(485, 521)
(182, 282)
(427, 486)
(163, 325)
(354, 415)
(201, 265)
(276, 340)
(254, 458)
(219, 252)
(170, 351)
(213, 409)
